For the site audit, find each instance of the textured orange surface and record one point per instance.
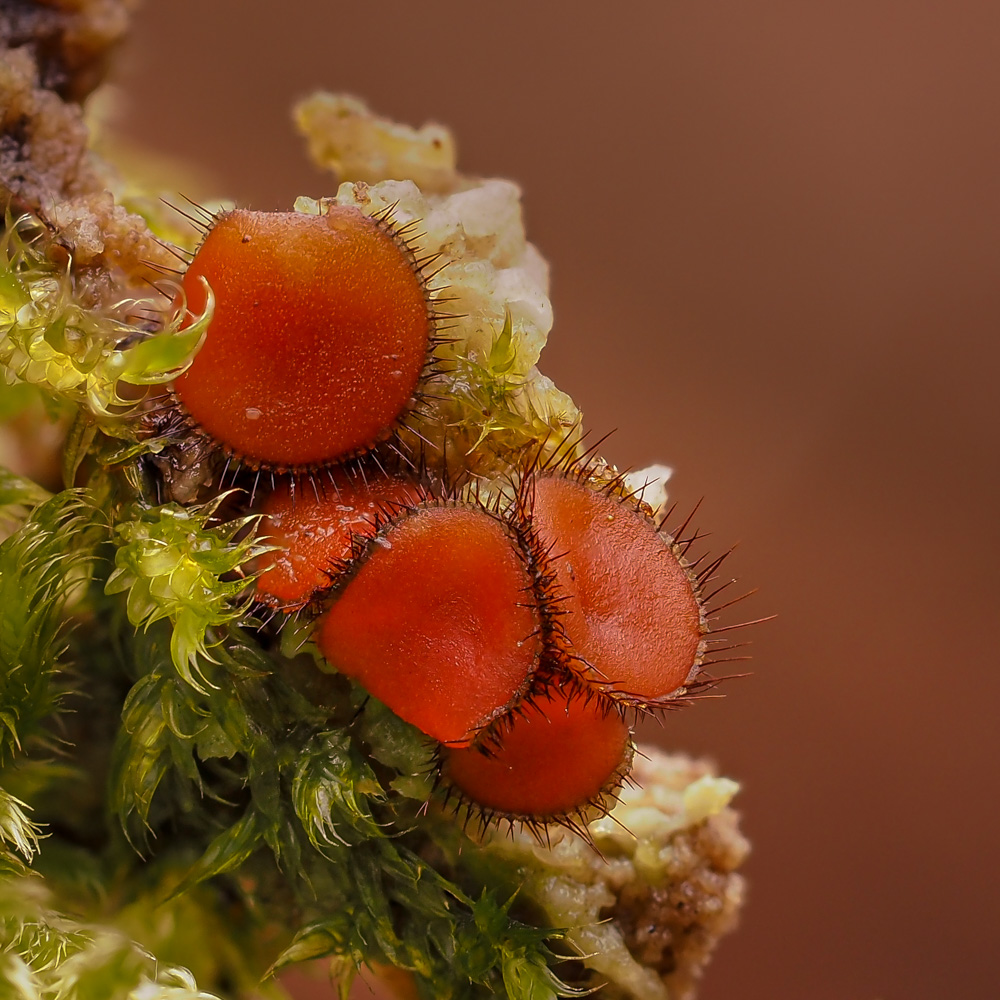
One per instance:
(435, 625)
(630, 611)
(313, 531)
(318, 339)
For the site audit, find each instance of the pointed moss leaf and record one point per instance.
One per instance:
(41, 565)
(14, 294)
(297, 637)
(417, 884)
(332, 791)
(318, 940)
(393, 742)
(396, 908)
(171, 983)
(476, 944)
(110, 966)
(226, 852)
(175, 566)
(530, 979)
(503, 352)
(265, 791)
(372, 933)
(142, 755)
(188, 720)
(16, 830)
(47, 955)
(498, 403)
(12, 866)
(167, 353)
(82, 432)
(170, 729)
(494, 941)
(16, 979)
(362, 927)
(49, 339)
(16, 491)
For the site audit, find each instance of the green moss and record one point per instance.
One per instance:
(171, 564)
(78, 353)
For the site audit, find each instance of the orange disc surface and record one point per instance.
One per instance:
(556, 757)
(630, 609)
(438, 622)
(318, 340)
(314, 532)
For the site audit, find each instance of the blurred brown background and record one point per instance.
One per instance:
(774, 235)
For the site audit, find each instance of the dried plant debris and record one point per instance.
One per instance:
(345, 137)
(52, 55)
(244, 711)
(71, 40)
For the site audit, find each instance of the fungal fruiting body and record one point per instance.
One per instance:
(562, 755)
(312, 531)
(436, 620)
(513, 640)
(630, 610)
(322, 331)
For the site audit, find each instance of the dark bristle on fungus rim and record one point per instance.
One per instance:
(437, 620)
(631, 614)
(560, 759)
(322, 339)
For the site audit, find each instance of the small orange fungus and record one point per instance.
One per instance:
(630, 607)
(314, 532)
(321, 331)
(437, 622)
(553, 761)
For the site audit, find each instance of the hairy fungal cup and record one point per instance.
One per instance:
(340, 621)
(631, 611)
(313, 532)
(322, 336)
(436, 620)
(560, 760)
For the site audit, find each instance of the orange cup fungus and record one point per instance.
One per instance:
(515, 639)
(314, 532)
(322, 330)
(558, 760)
(437, 620)
(630, 610)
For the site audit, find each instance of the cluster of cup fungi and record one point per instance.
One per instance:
(521, 630)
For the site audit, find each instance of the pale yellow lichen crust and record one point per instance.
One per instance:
(345, 137)
(648, 906)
